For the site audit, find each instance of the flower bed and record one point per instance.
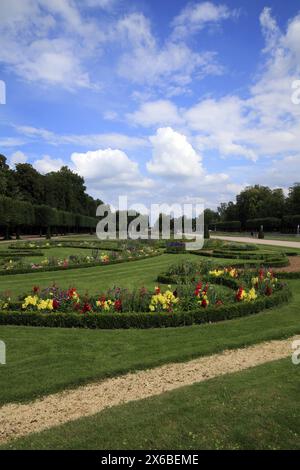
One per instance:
(14, 266)
(198, 302)
(143, 319)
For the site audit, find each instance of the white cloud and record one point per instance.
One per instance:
(169, 65)
(108, 168)
(195, 16)
(220, 123)
(17, 157)
(11, 142)
(173, 155)
(105, 4)
(47, 41)
(83, 140)
(48, 164)
(153, 113)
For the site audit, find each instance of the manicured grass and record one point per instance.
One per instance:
(45, 360)
(55, 252)
(95, 280)
(255, 409)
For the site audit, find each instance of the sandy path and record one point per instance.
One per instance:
(21, 419)
(293, 267)
(283, 243)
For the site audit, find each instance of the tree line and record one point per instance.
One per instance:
(258, 206)
(34, 203)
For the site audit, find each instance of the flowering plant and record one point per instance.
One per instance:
(243, 295)
(229, 271)
(163, 301)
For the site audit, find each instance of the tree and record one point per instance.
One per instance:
(30, 183)
(210, 217)
(228, 211)
(293, 200)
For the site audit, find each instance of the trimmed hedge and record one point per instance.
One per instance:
(19, 254)
(288, 275)
(274, 262)
(144, 320)
(269, 224)
(4, 272)
(229, 226)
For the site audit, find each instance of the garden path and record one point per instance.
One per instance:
(283, 243)
(18, 420)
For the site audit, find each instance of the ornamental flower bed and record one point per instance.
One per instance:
(11, 266)
(228, 271)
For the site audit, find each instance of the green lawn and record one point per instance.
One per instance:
(255, 409)
(44, 360)
(96, 280)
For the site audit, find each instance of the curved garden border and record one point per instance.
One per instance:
(275, 262)
(75, 266)
(143, 320)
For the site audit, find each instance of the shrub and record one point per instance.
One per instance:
(229, 226)
(175, 247)
(144, 320)
(261, 234)
(270, 224)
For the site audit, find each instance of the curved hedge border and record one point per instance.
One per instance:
(19, 254)
(288, 275)
(272, 262)
(75, 266)
(144, 320)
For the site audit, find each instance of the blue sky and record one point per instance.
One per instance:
(164, 101)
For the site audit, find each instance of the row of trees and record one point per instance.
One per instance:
(23, 217)
(62, 190)
(258, 205)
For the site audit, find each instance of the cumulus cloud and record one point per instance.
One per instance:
(47, 41)
(46, 164)
(17, 157)
(195, 16)
(108, 168)
(153, 113)
(173, 155)
(172, 64)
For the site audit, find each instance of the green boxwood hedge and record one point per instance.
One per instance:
(144, 320)
(275, 262)
(288, 275)
(19, 254)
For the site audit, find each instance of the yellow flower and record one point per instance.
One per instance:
(163, 301)
(216, 272)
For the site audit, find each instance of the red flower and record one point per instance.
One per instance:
(269, 290)
(239, 294)
(36, 289)
(198, 289)
(86, 308)
(157, 290)
(55, 304)
(118, 305)
(204, 303)
(71, 292)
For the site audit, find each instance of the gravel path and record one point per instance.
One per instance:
(286, 244)
(21, 419)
